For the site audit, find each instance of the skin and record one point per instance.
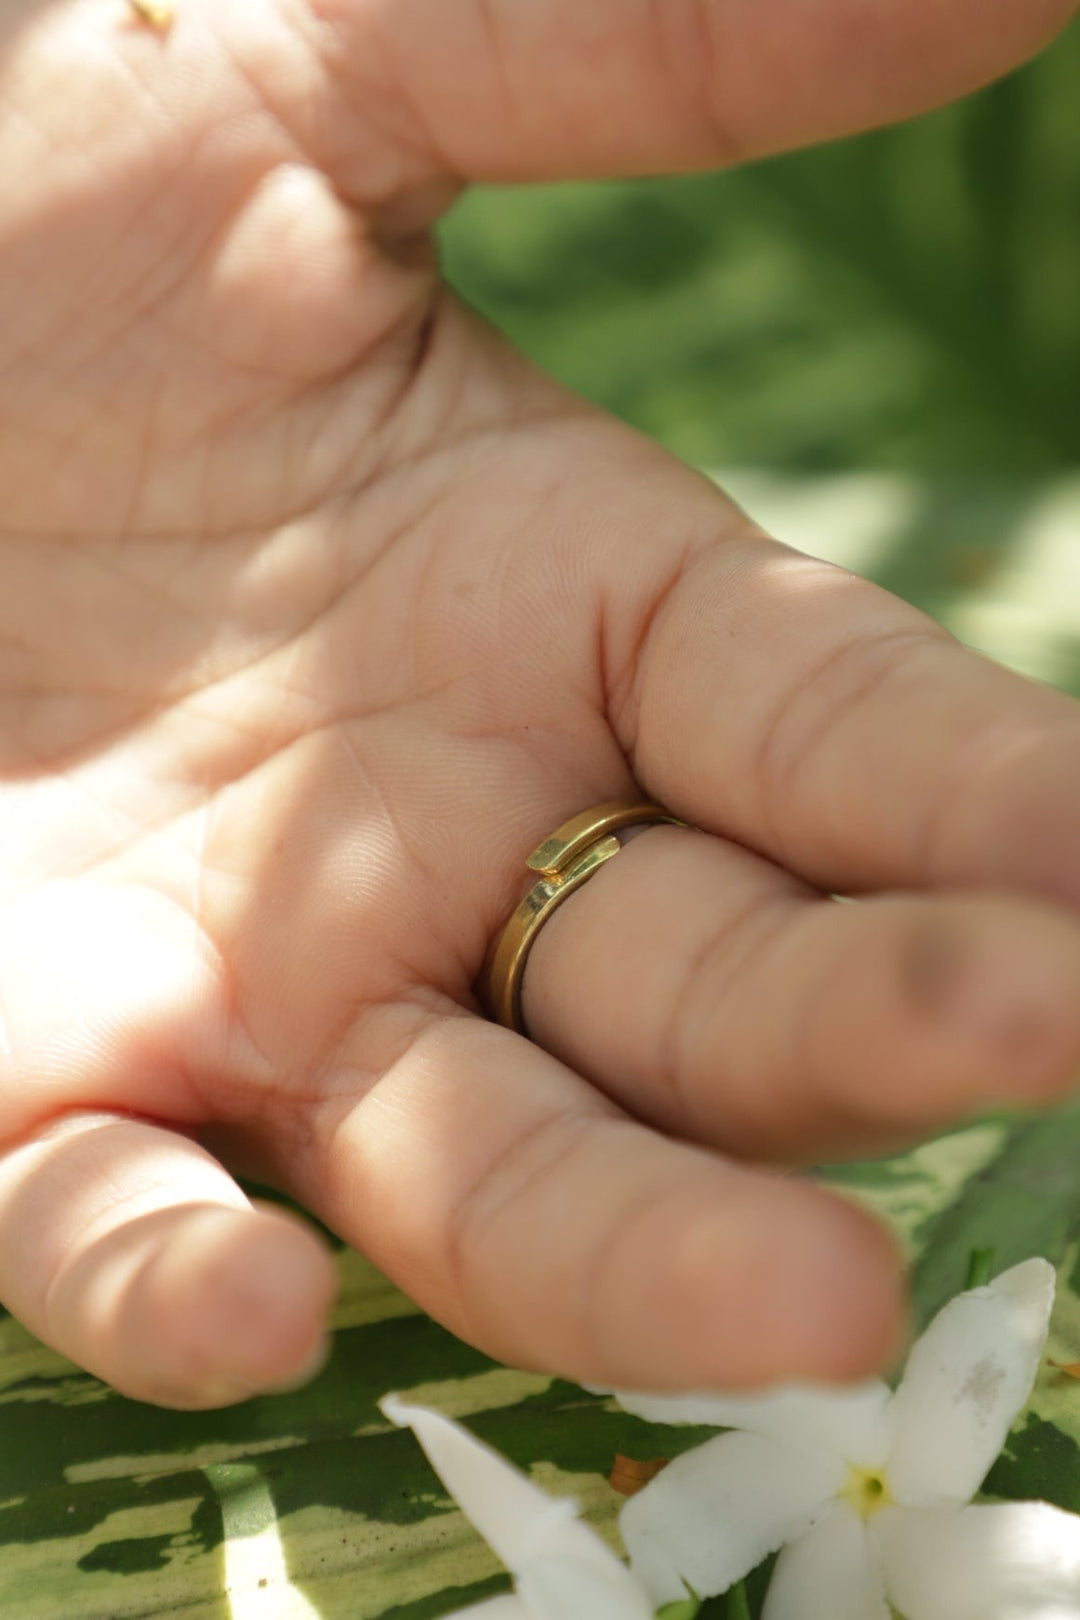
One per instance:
(320, 609)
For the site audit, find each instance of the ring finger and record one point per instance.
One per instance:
(718, 997)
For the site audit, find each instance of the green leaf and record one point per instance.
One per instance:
(738, 1603)
(111, 1508)
(1024, 1201)
(980, 1268)
(905, 300)
(1039, 1461)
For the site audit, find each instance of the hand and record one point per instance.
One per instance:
(320, 608)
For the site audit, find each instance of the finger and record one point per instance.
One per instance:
(841, 733)
(710, 993)
(132, 1252)
(538, 1222)
(502, 91)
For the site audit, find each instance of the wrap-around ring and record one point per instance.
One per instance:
(564, 861)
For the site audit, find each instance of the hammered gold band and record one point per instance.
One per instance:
(564, 862)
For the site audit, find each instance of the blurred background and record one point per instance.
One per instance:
(874, 345)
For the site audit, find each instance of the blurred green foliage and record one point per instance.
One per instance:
(907, 299)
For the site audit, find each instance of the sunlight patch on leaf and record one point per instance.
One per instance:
(909, 1191)
(140, 1468)
(44, 1578)
(365, 1295)
(486, 1392)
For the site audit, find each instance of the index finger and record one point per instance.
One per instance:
(538, 1221)
(556, 89)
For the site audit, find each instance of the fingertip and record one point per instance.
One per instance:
(130, 1250)
(1015, 998)
(268, 1298)
(787, 1283)
(233, 1305)
(838, 1300)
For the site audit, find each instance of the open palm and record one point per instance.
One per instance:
(319, 609)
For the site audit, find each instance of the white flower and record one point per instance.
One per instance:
(866, 1490)
(561, 1568)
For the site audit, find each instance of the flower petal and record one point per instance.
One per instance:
(851, 1422)
(965, 1381)
(1007, 1561)
(527, 1528)
(511, 1513)
(715, 1512)
(558, 1588)
(833, 1572)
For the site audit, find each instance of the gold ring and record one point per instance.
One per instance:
(564, 861)
(156, 14)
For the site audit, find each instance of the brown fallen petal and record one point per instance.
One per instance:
(628, 1476)
(1070, 1368)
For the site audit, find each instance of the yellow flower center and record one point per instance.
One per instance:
(867, 1491)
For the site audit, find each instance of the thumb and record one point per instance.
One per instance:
(133, 1253)
(111, 997)
(123, 1244)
